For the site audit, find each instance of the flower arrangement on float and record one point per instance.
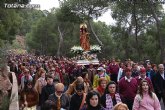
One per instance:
(95, 49)
(79, 50)
(76, 50)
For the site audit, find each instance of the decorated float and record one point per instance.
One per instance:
(85, 54)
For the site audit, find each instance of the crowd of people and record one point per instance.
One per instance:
(51, 83)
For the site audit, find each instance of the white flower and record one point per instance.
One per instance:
(79, 50)
(95, 48)
(76, 49)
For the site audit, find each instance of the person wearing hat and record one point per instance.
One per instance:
(101, 73)
(142, 76)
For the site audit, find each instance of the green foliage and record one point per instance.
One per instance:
(9, 24)
(42, 36)
(104, 33)
(133, 33)
(133, 36)
(64, 14)
(29, 18)
(10, 21)
(86, 9)
(5, 102)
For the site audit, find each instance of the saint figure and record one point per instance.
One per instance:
(84, 37)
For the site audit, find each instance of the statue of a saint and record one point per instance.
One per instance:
(84, 37)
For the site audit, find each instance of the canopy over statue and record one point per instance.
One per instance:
(84, 37)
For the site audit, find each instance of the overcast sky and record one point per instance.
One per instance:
(48, 4)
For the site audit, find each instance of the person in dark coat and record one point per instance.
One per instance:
(59, 99)
(48, 89)
(78, 98)
(159, 83)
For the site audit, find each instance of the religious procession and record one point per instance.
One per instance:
(52, 83)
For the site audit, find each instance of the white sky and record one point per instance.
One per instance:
(48, 4)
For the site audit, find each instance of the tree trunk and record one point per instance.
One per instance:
(136, 29)
(127, 48)
(41, 50)
(97, 38)
(126, 45)
(162, 51)
(46, 44)
(60, 42)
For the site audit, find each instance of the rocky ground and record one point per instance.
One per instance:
(5, 88)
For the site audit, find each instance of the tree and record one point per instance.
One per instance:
(87, 10)
(29, 18)
(134, 17)
(156, 14)
(41, 36)
(49, 32)
(10, 21)
(64, 26)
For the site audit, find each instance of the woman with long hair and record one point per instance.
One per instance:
(93, 101)
(110, 97)
(145, 98)
(29, 97)
(87, 82)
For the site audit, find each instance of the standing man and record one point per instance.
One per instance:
(113, 70)
(78, 98)
(128, 88)
(91, 72)
(159, 83)
(135, 71)
(150, 74)
(48, 89)
(60, 100)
